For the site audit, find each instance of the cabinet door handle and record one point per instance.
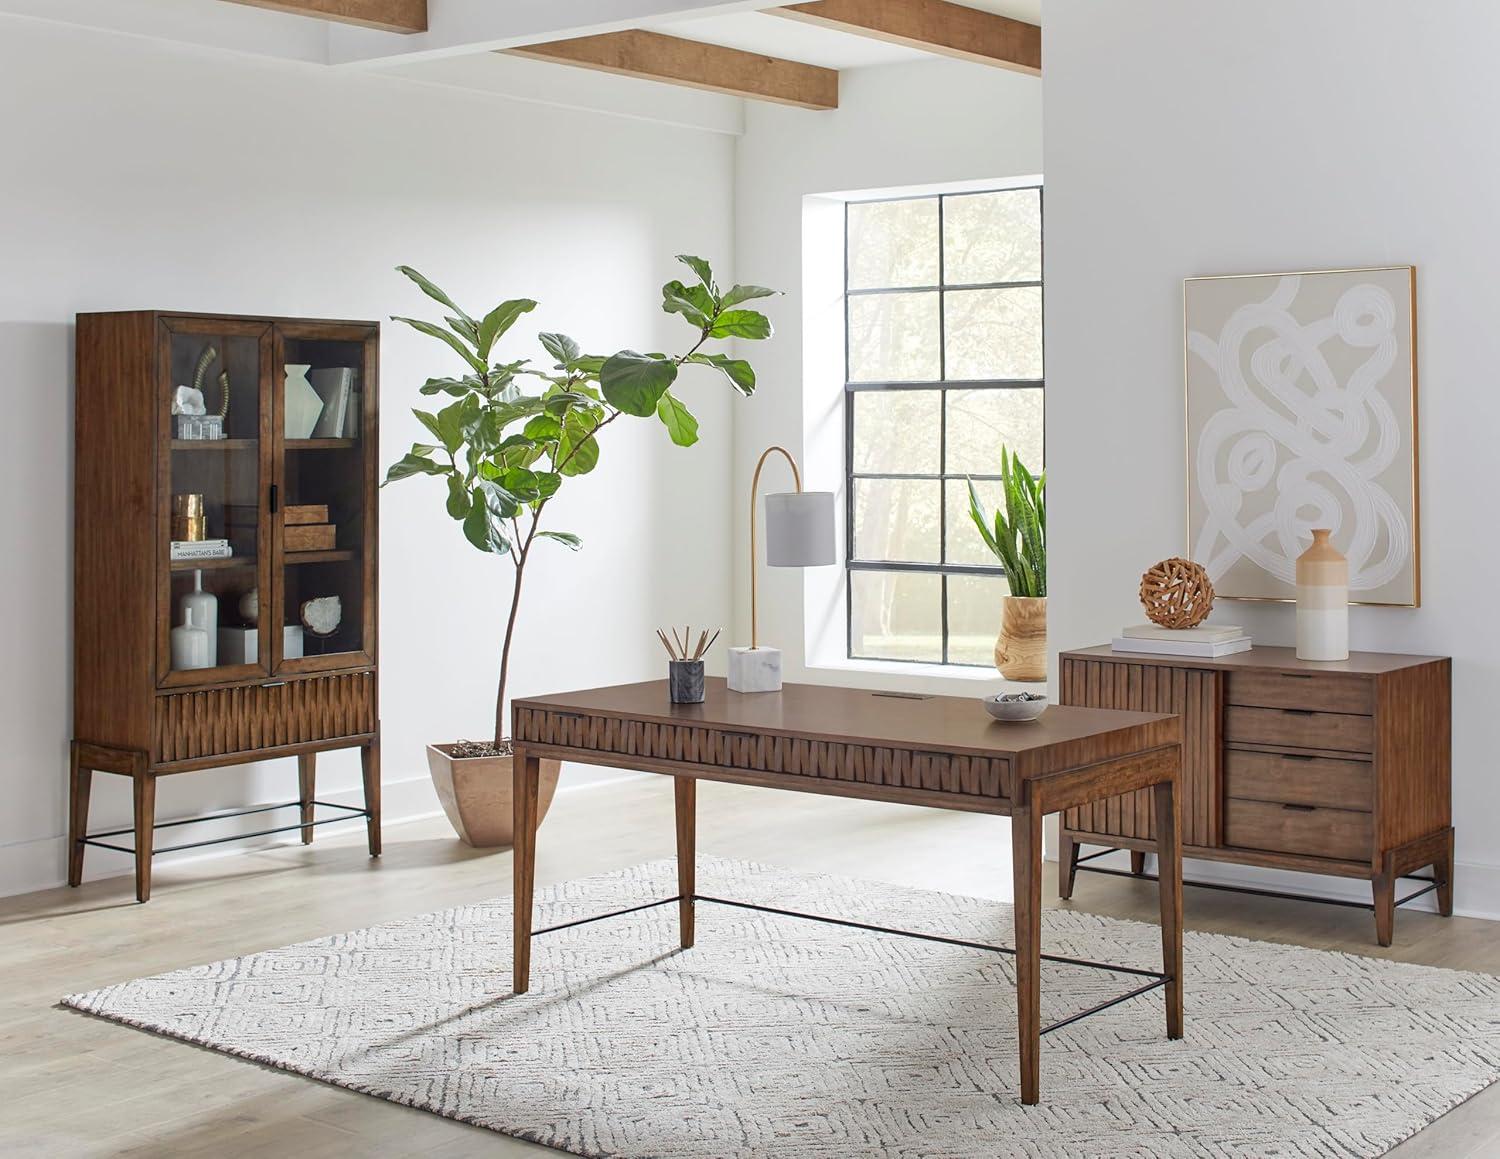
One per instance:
(1300, 711)
(1300, 808)
(275, 499)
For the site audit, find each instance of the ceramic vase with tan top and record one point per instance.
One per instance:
(1021, 649)
(1322, 601)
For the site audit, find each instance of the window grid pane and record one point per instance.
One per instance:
(911, 609)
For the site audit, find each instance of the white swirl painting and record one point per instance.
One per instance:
(1301, 413)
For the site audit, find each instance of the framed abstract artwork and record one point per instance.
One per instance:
(1302, 413)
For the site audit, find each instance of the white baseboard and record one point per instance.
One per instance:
(1476, 892)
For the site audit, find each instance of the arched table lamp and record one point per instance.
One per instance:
(799, 533)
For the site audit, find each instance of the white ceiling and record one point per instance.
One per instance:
(811, 44)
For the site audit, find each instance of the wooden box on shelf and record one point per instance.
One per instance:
(151, 697)
(1338, 768)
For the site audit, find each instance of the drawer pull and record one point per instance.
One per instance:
(569, 715)
(274, 684)
(932, 754)
(739, 735)
(1297, 757)
(1300, 808)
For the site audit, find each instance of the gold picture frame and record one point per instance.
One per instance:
(1381, 291)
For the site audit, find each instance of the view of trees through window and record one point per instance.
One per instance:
(943, 305)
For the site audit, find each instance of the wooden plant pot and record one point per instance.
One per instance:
(1021, 648)
(476, 794)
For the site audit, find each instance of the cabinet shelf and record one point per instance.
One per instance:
(335, 555)
(320, 444)
(214, 444)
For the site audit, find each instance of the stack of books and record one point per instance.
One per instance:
(1206, 640)
(201, 549)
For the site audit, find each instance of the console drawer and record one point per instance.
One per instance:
(1340, 834)
(1299, 728)
(241, 718)
(1287, 778)
(1322, 691)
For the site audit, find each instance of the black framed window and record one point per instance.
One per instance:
(942, 366)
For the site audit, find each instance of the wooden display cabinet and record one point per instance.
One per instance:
(147, 703)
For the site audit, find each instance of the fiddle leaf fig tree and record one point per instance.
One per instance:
(504, 451)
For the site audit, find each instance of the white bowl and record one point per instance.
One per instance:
(1012, 711)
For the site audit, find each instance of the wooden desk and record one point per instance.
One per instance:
(938, 751)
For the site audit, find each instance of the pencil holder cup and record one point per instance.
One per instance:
(685, 681)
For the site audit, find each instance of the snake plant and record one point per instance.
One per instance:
(1017, 535)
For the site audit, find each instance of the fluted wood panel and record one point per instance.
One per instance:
(768, 752)
(1192, 694)
(221, 721)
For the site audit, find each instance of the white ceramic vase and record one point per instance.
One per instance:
(1322, 601)
(189, 645)
(201, 610)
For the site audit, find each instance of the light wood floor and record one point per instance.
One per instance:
(72, 1085)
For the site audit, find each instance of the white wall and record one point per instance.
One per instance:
(135, 175)
(934, 122)
(1186, 137)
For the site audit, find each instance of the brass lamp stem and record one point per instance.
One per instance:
(754, 488)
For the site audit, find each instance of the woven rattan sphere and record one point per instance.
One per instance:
(1177, 593)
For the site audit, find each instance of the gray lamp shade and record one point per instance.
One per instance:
(799, 529)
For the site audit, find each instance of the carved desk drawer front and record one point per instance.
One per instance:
(1340, 834)
(1299, 728)
(1288, 778)
(220, 721)
(1323, 691)
(768, 752)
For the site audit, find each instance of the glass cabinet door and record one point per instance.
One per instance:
(324, 488)
(213, 520)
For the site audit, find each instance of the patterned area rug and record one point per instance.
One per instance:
(778, 1036)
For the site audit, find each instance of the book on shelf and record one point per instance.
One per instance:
(1207, 650)
(333, 385)
(1202, 634)
(201, 549)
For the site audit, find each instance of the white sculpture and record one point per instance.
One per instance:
(188, 401)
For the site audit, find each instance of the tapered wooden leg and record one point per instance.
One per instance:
(80, 781)
(1026, 859)
(1137, 861)
(526, 777)
(145, 817)
(307, 787)
(1384, 888)
(1443, 871)
(369, 759)
(1169, 890)
(1067, 865)
(687, 844)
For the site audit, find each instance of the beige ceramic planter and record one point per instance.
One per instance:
(1021, 649)
(476, 794)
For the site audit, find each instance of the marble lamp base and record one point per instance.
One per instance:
(755, 669)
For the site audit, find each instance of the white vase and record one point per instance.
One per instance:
(1322, 601)
(189, 646)
(300, 402)
(201, 610)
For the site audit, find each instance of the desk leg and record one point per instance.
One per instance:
(1026, 857)
(687, 845)
(526, 771)
(1169, 887)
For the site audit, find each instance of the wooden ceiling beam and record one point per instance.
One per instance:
(932, 25)
(387, 15)
(672, 60)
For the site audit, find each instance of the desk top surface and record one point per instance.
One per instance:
(1063, 737)
(1265, 659)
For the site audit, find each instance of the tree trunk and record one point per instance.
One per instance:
(510, 631)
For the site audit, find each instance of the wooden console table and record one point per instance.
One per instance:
(1337, 768)
(937, 751)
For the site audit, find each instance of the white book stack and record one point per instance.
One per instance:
(1206, 641)
(201, 549)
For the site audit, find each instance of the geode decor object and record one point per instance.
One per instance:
(323, 615)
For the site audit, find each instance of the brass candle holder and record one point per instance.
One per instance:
(189, 524)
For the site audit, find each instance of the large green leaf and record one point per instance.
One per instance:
(415, 465)
(452, 420)
(678, 420)
(483, 529)
(561, 347)
(431, 290)
(458, 387)
(741, 324)
(699, 267)
(444, 336)
(740, 373)
(577, 450)
(738, 294)
(458, 497)
(543, 428)
(567, 538)
(465, 329)
(499, 320)
(634, 383)
(430, 422)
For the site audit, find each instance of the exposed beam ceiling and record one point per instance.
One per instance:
(934, 25)
(386, 15)
(655, 56)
